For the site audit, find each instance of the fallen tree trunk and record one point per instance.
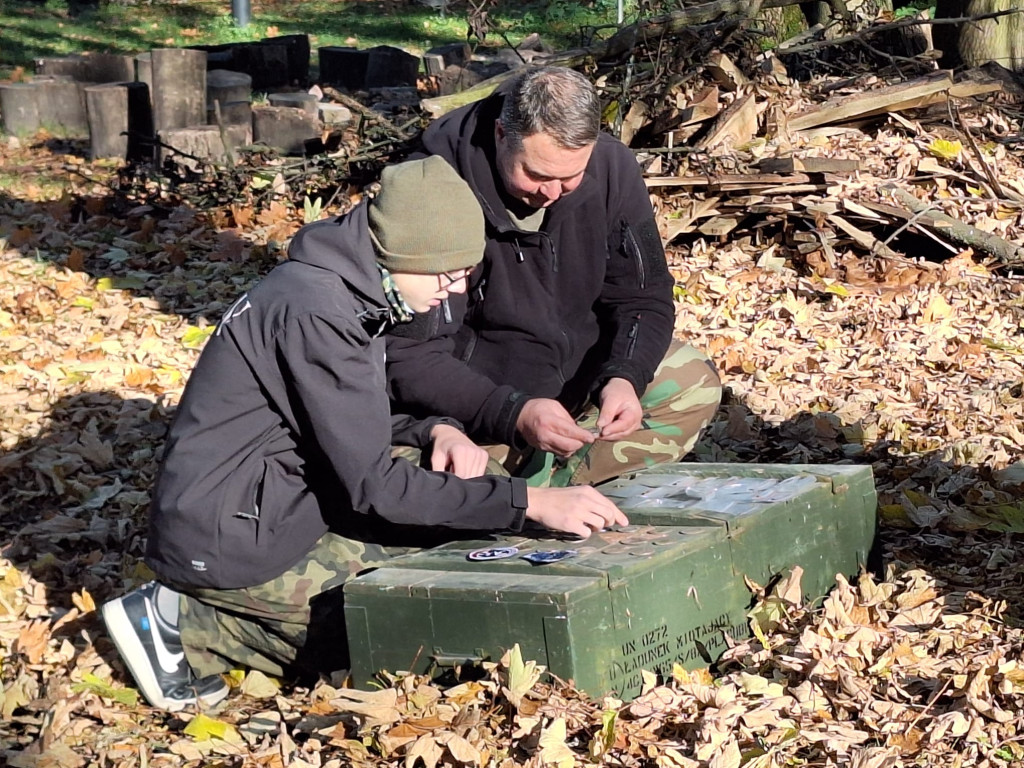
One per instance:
(956, 230)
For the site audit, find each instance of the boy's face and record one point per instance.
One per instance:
(423, 292)
(542, 170)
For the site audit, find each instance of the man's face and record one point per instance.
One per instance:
(540, 172)
(422, 292)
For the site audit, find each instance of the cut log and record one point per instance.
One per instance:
(344, 66)
(307, 102)
(388, 66)
(889, 99)
(61, 104)
(190, 147)
(108, 120)
(179, 88)
(72, 66)
(334, 115)
(109, 68)
(735, 126)
(144, 70)
(19, 108)
(439, 58)
(720, 226)
(286, 130)
(455, 79)
(297, 53)
(233, 91)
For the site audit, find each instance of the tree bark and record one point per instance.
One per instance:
(973, 43)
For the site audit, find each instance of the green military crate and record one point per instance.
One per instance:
(664, 589)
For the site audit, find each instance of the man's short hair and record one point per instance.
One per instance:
(557, 101)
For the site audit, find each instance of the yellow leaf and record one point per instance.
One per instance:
(938, 308)
(259, 686)
(553, 749)
(105, 284)
(83, 601)
(947, 150)
(521, 676)
(836, 289)
(194, 337)
(201, 727)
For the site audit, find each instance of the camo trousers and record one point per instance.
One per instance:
(680, 401)
(291, 625)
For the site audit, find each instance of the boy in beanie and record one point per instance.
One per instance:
(278, 483)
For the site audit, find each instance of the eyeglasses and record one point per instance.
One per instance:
(446, 279)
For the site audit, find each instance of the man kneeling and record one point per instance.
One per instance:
(278, 482)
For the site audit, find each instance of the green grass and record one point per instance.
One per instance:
(55, 27)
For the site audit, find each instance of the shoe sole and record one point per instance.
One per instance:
(126, 640)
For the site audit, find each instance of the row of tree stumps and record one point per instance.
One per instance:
(164, 101)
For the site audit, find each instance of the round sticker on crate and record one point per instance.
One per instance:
(493, 553)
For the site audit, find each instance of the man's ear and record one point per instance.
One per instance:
(499, 130)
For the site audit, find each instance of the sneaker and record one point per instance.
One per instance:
(154, 656)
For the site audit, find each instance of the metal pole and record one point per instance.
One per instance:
(241, 10)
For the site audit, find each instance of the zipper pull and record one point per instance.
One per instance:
(447, 310)
(520, 258)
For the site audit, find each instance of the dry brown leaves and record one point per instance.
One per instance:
(913, 368)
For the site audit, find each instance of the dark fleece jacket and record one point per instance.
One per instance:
(284, 430)
(554, 313)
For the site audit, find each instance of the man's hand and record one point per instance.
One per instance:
(621, 412)
(454, 452)
(579, 510)
(545, 424)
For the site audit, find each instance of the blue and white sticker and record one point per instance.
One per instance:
(493, 553)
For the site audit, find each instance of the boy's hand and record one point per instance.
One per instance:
(579, 510)
(454, 452)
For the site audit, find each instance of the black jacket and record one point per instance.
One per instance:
(549, 314)
(284, 428)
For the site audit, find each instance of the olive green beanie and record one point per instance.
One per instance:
(426, 220)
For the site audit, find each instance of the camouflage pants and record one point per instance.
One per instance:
(678, 404)
(293, 624)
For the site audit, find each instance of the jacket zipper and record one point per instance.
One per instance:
(635, 248)
(634, 331)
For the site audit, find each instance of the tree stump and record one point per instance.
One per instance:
(19, 108)
(389, 66)
(189, 147)
(179, 88)
(108, 120)
(120, 121)
(285, 129)
(438, 58)
(334, 115)
(344, 66)
(71, 66)
(109, 68)
(304, 101)
(61, 104)
(233, 91)
(297, 48)
(144, 70)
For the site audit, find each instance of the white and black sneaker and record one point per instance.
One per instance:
(151, 649)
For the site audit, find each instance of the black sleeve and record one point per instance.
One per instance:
(338, 386)
(636, 305)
